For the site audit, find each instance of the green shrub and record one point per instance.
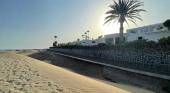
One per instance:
(167, 23)
(151, 43)
(168, 40)
(137, 44)
(162, 41)
(109, 44)
(55, 44)
(101, 45)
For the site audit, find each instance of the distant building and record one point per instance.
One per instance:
(99, 40)
(86, 42)
(150, 32)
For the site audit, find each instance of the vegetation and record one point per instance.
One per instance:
(123, 10)
(141, 44)
(100, 36)
(101, 45)
(55, 44)
(167, 23)
(164, 41)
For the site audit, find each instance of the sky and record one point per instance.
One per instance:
(32, 24)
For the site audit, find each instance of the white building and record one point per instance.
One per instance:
(86, 42)
(98, 41)
(151, 32)
(114, 38)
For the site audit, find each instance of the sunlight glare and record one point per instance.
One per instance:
(111, 28)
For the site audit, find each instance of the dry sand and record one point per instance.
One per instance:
(22, 74)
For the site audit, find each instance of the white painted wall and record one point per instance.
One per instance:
(100, 40)
(156, 36)
(86, 42)
(150, 32)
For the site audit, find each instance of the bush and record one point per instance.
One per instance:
(55, 44)
(163, 41)
(151, 43)
(168, 40)
(167, 23)
(137, 44)
(101, 45)
(109, 44)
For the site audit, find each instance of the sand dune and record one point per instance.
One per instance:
(21, 74)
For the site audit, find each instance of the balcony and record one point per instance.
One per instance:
(156, 31)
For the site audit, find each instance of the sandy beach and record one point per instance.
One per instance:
(22, 74)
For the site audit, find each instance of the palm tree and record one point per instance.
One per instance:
(78, 41)
(100, 36)
(83, 37)
(88, 34)
(123, 10)
(55, 37)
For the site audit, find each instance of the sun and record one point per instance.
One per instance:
(111, 28)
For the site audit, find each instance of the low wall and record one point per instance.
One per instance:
(144, 81)
(150, 61)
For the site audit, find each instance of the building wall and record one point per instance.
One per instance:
(86, 42)
(100, 40)
(156, 36)
(112, 38)
(150, 36)
(151, 32)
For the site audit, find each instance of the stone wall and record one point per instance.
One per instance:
(150, 61)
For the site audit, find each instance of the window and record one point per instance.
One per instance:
(140, 38)
(93, 42)
(117, 40)
(109, 40)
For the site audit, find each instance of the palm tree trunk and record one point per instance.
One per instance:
(121, 33)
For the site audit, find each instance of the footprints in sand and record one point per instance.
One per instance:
(18, 76)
